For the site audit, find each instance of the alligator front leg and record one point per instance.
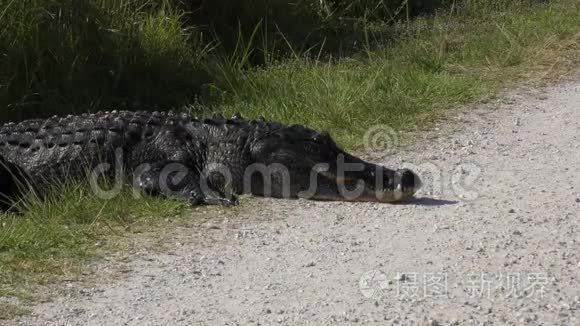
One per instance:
(14, 181)
(174, 179)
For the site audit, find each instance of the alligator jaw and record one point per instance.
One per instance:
(373, 184)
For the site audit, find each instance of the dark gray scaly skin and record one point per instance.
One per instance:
(12, 178)
(148, 144)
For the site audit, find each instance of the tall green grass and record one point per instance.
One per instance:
(68, 56)
(433, 63)
(306, 24)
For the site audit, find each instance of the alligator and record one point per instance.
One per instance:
(203, 160)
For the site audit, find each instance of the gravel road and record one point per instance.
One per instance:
(493, 238)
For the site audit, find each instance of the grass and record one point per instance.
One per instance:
(405, 78)
(53, 238)
(434, 63)
(66, 56)
(9, 310)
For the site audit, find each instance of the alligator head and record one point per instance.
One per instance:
(301, 162)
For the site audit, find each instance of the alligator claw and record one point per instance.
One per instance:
(233, 201)
(223, 201)
(197, 198)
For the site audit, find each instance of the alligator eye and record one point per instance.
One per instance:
(321, 138)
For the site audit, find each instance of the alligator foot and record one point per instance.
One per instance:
(213, 198)
(173, 179)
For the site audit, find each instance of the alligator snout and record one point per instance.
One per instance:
(407, 182)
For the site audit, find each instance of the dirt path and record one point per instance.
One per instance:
(504, 249)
